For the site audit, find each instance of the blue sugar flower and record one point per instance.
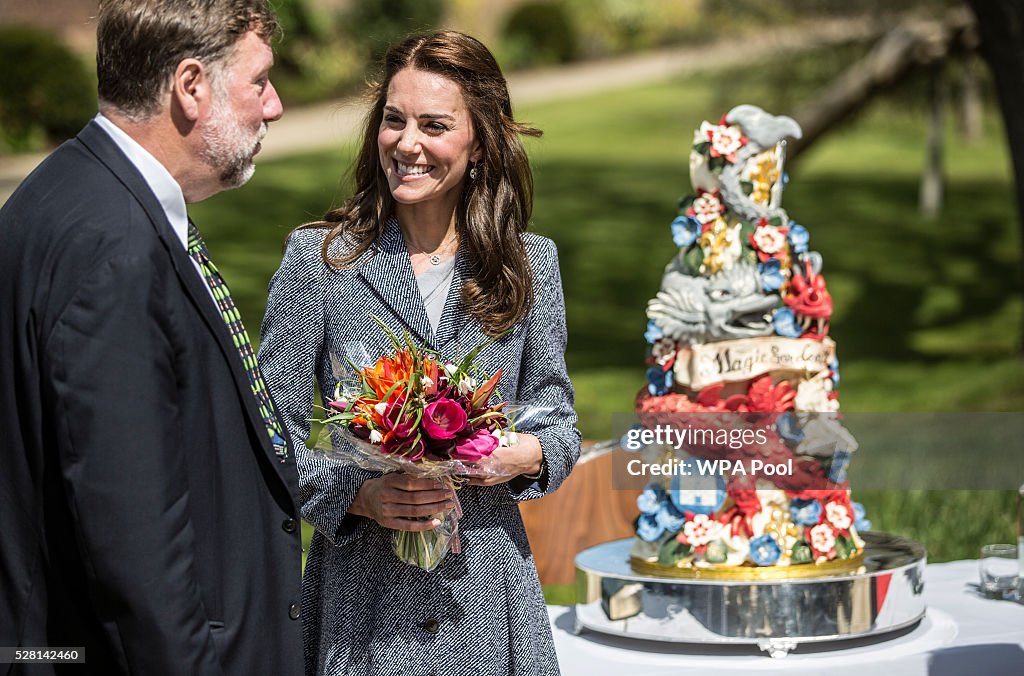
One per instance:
(805, 512)
(798, 237)
(859, 522)
(789, 429)
(764, 550)
(785, 324)
(653, 332)
(652, 497)
(647, 528)
(833, 366)
(685, 230)
(658, 381)
(770, 273)
(669, 518)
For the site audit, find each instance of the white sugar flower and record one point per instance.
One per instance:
(701, 530)
(769, 239)
(838, 515)
(822, 538)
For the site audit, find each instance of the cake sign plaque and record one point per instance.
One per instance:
(698, 366)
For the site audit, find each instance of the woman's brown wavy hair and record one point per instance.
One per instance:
(495, 207)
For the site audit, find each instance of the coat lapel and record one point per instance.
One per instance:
(389, 273)
(97, 141)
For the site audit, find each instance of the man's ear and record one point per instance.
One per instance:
(190, 88)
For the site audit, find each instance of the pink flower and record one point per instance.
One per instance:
(480, 445)
(340, 405)
(443, 419)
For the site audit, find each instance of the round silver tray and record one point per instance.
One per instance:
(881, 596)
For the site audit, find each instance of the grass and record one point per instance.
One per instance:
(927, 312)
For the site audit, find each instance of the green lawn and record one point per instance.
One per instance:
(927, 313)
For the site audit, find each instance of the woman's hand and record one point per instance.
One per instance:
(398, 501)
(525, 457)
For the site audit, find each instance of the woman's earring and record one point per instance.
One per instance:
(472, 173)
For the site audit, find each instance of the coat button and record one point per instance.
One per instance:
(288, 525)
(294, 611)
(430, 626)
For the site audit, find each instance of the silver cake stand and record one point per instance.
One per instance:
(879, 597)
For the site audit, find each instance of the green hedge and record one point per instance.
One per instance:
(46, 92)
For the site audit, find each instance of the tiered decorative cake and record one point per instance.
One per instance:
(742, 372)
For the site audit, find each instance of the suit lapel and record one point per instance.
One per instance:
(97, 141)
(389, 273)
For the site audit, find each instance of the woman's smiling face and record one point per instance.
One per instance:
(426, 138)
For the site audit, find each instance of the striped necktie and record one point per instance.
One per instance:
(233, 320)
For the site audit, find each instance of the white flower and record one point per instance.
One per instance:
(450, 369)
(707, 207)
(376, 437)
(701, 530)
(769, 239)
(725, 140)
(427, 382)
(812, 397)
(467, 385)
(822, 538)
(513, 438)
(380, 407)
(838, 515)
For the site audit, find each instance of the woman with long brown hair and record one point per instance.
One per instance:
(434, 242)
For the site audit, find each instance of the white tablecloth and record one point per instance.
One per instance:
(961, 634)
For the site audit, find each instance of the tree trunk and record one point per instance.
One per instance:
(970, 100)
(908, 46)
(1001, 29)
(930, 197)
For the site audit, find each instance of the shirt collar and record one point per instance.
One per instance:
(160, 181)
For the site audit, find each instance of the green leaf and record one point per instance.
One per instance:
(801, 552)
(685, 202)
(388, 332)
(845, 547)
(775, 220)
(703, 147)
(693, 259)
(747, 186)
(716, 552)
(672, 551)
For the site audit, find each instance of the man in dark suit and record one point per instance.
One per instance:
(146, 493)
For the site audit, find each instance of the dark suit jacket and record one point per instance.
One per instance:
(143, 513)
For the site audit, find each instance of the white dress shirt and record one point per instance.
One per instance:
(160, 181)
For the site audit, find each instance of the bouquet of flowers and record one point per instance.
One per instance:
(412, 412)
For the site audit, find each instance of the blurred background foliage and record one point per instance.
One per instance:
(46, 91)
(927, 310)
(330, 48)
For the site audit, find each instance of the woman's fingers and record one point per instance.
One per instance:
(404, 510)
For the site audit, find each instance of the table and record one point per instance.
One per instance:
(961, 634)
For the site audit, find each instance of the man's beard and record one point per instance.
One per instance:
(230, 148)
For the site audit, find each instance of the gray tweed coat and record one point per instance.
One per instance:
(363, 610)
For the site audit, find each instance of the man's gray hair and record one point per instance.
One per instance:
(139, 44)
